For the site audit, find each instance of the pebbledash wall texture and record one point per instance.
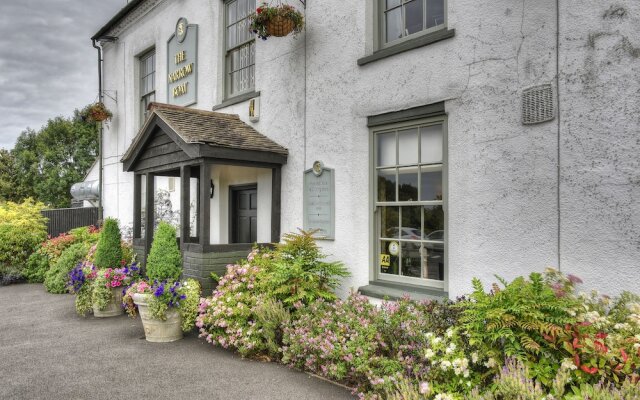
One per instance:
(517, 198)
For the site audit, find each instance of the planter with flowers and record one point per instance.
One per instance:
(98, 112)
(166, 305)
(278, 20)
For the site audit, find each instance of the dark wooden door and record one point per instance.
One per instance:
(244, 215)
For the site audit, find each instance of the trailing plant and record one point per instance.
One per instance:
(164, 262)
(57, 277)
(81, 284)
(109, 250)
(184, 297)
(263, 19)
(109, 279)
(295, 271)
(97, 112)
(141, 287)
(271, 317)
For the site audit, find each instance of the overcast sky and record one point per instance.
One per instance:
(47, 64)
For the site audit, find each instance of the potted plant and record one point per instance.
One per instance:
(98, 112)
(167, 306)
(279, 20)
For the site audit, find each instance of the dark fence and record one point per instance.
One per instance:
(64, 219)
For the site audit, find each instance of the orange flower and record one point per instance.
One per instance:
(589, 370)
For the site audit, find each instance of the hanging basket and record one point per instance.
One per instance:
(279, 26)
(97, 112)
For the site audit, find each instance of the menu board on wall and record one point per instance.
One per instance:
(182, 64)
(319, 201)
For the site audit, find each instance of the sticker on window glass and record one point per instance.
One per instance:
(394, 248)
(385, 260)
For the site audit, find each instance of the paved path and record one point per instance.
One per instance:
(48, 352)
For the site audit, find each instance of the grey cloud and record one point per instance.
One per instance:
(47, 65)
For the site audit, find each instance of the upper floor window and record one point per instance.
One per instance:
(147, 82)
(240, 47)
(403, 18)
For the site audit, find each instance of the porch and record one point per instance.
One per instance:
(213, 177)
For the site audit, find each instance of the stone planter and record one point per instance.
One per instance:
(155, 330)
(114, 307)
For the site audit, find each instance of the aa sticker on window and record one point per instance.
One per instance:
(385, 260)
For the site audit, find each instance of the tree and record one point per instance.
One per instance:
(48, 162)
(7, 176)
(109, 249)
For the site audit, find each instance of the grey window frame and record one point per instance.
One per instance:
(381, 26)
(145, 96)
(227, 55)
(375, 215)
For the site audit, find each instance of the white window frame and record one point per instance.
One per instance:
(375, 237)
(228, 51)
(381, 31)
(145, 96)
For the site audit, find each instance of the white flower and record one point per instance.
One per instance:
(443, 396)
(428, 335)
(568, 364)
(429, 353)
(490, 363)
(620, 327)
(445, 365)
(436, 340)
(449, 332)
(474, 357)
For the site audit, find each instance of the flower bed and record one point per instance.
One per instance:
(531, 338)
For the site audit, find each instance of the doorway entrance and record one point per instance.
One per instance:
(244, 214)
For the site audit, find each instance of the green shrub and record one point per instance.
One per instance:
(164, 261)
(270, 318)
(57, 277)
(22, 229)
(109, 250)
(37, 266)
(295, 272)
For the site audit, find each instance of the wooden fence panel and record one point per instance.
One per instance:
(64, 219)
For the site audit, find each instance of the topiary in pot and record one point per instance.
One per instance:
(109, 250)
(164, 262)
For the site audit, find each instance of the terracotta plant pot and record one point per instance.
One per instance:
(113, 308)
(155, 330)
(280, 26)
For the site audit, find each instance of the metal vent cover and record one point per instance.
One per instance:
(537, 104)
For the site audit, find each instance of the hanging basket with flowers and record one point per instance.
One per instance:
(97, 112)
(278, 20)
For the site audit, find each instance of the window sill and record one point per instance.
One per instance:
(394, 291)
(236, 99)
(420, 41)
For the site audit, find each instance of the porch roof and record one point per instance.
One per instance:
(205, 134)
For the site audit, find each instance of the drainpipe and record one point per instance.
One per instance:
(100, 99)
(559, 128)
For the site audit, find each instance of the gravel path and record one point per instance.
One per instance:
(48, 352)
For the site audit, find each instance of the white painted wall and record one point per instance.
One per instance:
(503, 189)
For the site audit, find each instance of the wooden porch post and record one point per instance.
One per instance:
(185, 186)
(205, 204)
(137, 205)
(150, 214)
(276, 196)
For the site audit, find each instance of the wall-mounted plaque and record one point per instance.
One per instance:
(182, 64)
(319, 201)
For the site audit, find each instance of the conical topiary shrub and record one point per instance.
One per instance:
(164, 261)
(109, 249)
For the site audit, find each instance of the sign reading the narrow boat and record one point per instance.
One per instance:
(319, 201)
(182, 49)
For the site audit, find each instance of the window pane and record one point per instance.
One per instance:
(433, 257)
(435, 13)
(433, 222)
(388, 262)
(413, 14)
(242, 8)
(232, 15)
(392, 3)
(431, 144)
(430, 183)
(408, 184)
(389, 222)
(231, 36)
(408, 146)
(394, 24)
(410, 229)
(387, 185)
(386, 149)
(411, 258)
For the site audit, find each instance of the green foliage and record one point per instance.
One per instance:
(189, 305)
(57, 277)
(7, 176)
(519, 320)
(101, 293)
(47, 162)
(37, 266)
(109, 250)
(84, 300)
(22, 229)
(184, 297)
(271, 317)
(164, 262)
(265, 13)
(295, 272)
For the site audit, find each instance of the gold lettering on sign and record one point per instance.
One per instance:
(180, 57)
(181, 73)
(180, 90)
